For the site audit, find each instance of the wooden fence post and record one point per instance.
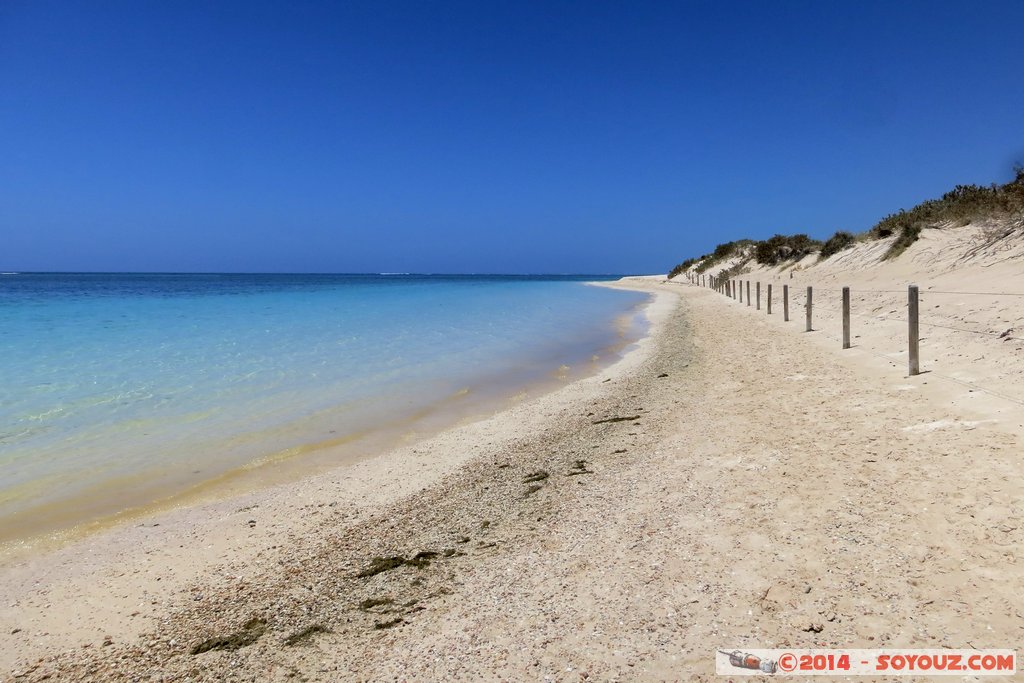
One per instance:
(748, 292)
(769, 299)
(809, 302)
(785, 303)
(759, 296)
(913, 336)
(846, 317)
(741, 291)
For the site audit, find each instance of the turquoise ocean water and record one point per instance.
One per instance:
(117, 390)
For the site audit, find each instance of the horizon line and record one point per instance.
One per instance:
(240, 272)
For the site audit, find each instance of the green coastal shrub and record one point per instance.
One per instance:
(779, 248)
(682, 267)
(908, 235)
(721, 253)
(962, 205)
(836, 243)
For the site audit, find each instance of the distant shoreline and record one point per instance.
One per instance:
(210, 529)
(40, 528)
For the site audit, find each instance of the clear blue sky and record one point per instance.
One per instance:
(484, 136)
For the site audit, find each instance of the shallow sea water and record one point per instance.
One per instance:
(116, 390)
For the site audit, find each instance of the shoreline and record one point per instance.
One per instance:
(86, 570)
(486, 394)
(732, 483)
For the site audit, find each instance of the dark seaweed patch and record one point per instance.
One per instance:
(250, 632)
(381, 625)
(539, 475)
(379, 565)
(370, 603)
(616, 419)
(579, 467)
(304, 634)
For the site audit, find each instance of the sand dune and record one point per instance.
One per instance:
(971, 282)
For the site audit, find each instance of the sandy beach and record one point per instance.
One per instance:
(348, 342)
(732, 482)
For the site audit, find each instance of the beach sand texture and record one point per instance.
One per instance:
(733, 482)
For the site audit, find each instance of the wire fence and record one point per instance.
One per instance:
(760, 296)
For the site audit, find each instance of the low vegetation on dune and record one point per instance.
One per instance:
(681, 267)
(781, 248)
(721, 253)
(836, 243)
(961, 206)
